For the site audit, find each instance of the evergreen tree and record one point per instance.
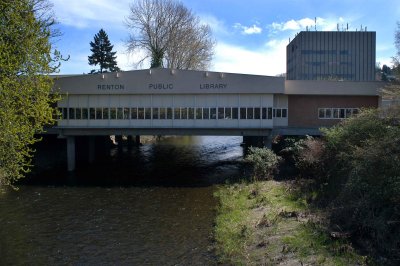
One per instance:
(102, 54)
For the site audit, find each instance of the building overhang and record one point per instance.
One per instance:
(326, 87)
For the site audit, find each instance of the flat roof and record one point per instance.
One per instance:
(168, 81)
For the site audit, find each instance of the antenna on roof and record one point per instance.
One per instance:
(306, 28)
(337, 26)
(315, 25)
(347, 28)
(365, 28)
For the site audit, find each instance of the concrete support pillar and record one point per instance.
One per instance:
(137, 140)
(92, 149)
(71, 153)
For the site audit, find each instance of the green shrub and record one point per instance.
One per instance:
(264, 162)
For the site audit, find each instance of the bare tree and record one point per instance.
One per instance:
(171, 35)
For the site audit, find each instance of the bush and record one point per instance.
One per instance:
(264, 162)
(359, 164)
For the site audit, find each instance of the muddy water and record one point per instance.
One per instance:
(151, 205)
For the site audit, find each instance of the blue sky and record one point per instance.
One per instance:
(251, 35)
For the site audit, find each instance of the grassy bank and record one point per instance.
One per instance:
(270, 223)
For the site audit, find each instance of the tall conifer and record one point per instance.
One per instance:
(102, 54)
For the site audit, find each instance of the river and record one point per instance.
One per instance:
(147, 205)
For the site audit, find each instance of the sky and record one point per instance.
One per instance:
(251, 35)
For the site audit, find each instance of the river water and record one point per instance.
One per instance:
(150, 205)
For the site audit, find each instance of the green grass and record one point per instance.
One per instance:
(268, 222)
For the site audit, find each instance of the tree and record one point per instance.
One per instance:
(170, 34)
(26, 60)
(264, 162)
(102, 54)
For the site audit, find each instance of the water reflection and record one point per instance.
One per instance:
(148, 205)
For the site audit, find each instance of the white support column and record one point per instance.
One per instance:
(71, 153)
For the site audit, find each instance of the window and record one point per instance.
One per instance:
(99, 113)
(169, 113)
(85, 114)
(269, 112)
(213, 113)
(147, 113)
(278, 113)
(126, 113)
(141, 113)
(257, 114)
(206, 113)
(177, 113)
(250, 113)
(184, 113)
(235, 113)
(163, 113)
(228, 113)
(221, 112)
(71, 113)
(284, 113)
(156, 113)
(191, 113)
(106, 114)
(64, 113)
(199, 113)
(78, 113)
(134, 113)
(120, 113)
(336, 113)
(113, 113)
(242, 113)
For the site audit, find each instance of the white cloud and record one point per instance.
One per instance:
(81, 14)
(321, 24)
(269, 60)
(217, 26)
(254, 29)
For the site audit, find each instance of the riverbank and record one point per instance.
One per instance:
(271, 223)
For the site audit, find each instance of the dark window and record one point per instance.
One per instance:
(328, 113)
(85, 113)
(169, 113)
(156, 113)
(321, 113)
(134, 113)
(78, 113)
(184, 113)
(228, 113)
(177, 113)
(213, 113)
(250, 113)
(335, 113)
(163, 113)
(284, 113)
(242, 113)
(342, 113)
(71, 113)
(191, 113)
(264, 113)
(199, 113)
(257, 114)
(120, 113)
(105, 113)
(113, 113)
(99, 113)
(147, 113)
(278, 113)
(206, 113)
(65, 113)
(126, 113)
(140, 113)
(235, 113)
(269, 112)
(220, 113)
